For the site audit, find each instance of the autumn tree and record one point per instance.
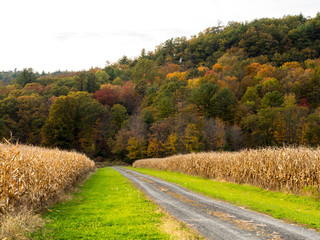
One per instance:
(234, 138)
(155, 148)
(291, 121)
(171, 144)
(89, 116)
(313, 88)
(169, 68)
(119, 144)
(259, 129)
(192, 138)
(108, 94)
(73, 122)
(233, 63)
(145, 69)
(34, 88)
(312, 129)
(60, 128)
(119, 116)
(251, 97)
(161, 130)
(214, 131)
(128, 97)
(31, 116)
(136, 148)
(9, 116)
(267, 125)
(102, 77)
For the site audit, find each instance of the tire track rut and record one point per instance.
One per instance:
(214, 219)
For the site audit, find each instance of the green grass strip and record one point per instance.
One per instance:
(108, 206)
(298, 209)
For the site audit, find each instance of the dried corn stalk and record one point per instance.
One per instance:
(287, 169)
(32, 176)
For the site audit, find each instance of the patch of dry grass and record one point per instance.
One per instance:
(176, 229)
(17, 225)
(288, 169)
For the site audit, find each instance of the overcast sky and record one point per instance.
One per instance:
(75, 35)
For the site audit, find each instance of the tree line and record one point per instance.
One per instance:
(245, 85)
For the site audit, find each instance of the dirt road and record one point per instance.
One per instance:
(215, 219)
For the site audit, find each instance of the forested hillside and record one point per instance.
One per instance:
(243, 85)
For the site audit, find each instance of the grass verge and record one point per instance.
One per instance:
(299, 209)
(107, 206)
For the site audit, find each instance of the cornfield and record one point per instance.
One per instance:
(33, 176)
(286, 169)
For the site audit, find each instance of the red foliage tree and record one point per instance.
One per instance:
(108, 94)
(304, 103)
(128, 96)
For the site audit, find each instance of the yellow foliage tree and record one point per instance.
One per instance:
(203, 69)
(155, 148)
(290, 65)
(171, 144)
(192, 141)
(217, 68)
(194, 83)
(280, 132)
(266, 71)
(253, 68)
(181, 76)
(136, 148)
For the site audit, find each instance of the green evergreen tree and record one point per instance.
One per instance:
(224, 104)
(26, 76)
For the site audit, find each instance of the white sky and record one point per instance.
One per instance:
(79, 34)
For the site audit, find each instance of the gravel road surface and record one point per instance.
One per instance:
(214, 219)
